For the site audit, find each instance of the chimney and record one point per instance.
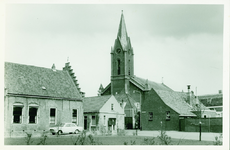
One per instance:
(188, 95)
(220, 91)
(53, 67)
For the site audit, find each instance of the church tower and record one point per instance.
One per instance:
(122, 67)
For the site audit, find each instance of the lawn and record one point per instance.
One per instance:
(104, 140)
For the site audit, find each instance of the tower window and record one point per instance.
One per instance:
(129, 67)
(118, 66)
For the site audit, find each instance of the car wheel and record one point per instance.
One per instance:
(59, 132)
(53, 133)
(76, 131)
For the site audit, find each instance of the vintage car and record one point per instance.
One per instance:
(65, 128)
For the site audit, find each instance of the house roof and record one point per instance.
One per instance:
(175, 101)
(212, 99)
(38, 81)
(94, 104)
(147, 85)
(126, 98)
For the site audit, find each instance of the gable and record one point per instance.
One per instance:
(37, 81)
(116, 106)
(107, 90)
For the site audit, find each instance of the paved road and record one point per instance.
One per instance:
(205, 136)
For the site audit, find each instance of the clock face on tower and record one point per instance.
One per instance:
(118, 51)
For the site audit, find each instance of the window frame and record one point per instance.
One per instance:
(112, 107)
(168, 117)
(37, 114)
(21, 117)
(93, 121)
(76, 116)
(55, 118)
(150, 116)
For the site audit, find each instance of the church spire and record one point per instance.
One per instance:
(122, 33)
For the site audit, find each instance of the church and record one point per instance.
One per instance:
(148, 105)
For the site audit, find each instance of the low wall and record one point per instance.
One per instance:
(207, 125)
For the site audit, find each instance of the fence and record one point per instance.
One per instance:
(207, 124)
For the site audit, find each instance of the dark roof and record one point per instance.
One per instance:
(175, 101)
(195, 102)
(122, 35)
(126, 98)
(147, 85)
(212, 99)
(94, 104)
(37, 81)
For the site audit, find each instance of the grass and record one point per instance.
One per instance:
(105, 140)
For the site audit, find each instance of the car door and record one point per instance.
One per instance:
(73, 127)
(66, 128)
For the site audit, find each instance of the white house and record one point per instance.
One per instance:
(103, 113)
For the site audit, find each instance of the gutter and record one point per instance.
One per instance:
(43, 97)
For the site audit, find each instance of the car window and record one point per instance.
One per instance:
(62, 124)
(73, 125)
(67, 125)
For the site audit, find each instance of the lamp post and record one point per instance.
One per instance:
(200, 130)
(140, 107)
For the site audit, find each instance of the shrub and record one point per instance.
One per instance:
(82, 139)
(43, 139)
(131, 143)
(149, 141)
(134, 133)
(28, 138)
(121, 132)
(218, 140)
(109, 132)
(102, 130)
(164, 138)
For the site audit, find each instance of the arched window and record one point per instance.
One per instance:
(129, 66)
(33, 113)
(17, 112)
(118, 67)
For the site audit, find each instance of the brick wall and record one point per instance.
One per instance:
(153, 103)
(208, 124)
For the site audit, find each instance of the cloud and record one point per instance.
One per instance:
(180, 20)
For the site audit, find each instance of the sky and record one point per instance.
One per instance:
(174, 44)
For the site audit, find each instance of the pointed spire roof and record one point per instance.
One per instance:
(122, 32)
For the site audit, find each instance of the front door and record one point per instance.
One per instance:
(128, 122)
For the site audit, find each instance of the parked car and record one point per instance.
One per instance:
(65, 128)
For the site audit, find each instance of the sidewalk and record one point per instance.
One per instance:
(205, 136)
